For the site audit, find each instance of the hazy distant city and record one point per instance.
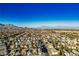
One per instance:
(39, 29)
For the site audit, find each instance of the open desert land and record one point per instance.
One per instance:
(39, 42)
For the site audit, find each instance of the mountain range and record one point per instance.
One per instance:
(57, 27)
(41, 27)
(2, 26)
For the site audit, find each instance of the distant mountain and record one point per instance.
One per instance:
(44, 27)
(7, 26)
(11, 26)
(57, 27)
(1, 25)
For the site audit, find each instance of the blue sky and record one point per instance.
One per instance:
(40, 14)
